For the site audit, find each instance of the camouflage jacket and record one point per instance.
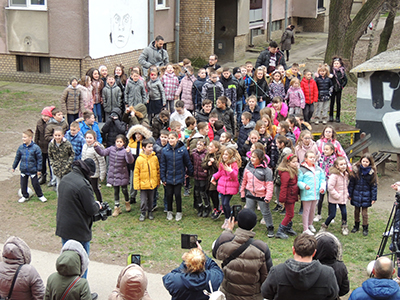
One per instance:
(61, 157)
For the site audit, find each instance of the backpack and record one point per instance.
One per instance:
(217, 295)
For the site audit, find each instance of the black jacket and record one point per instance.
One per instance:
(260, 90)
(157, 125)
(339, 80)
(201, 116)
(255, 114)
(244, 134)
(228, 117)
(263, 59)
(113, 127)
(324, 87)
(196, 92)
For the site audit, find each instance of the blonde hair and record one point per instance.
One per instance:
(233, 155)
(28, 132)
(195, 260)
(294, 80)
(323, 67)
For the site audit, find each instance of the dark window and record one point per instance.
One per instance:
(33, 64)
(320, 3)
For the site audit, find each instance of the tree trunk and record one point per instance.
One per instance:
(344, 33)
(387, 30)
(371, 37)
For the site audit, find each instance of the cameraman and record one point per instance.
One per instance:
(76, 205)
(395, 245)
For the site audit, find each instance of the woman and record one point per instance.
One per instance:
(287, 40)
(188, 281)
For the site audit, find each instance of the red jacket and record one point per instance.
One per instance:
(310, 90)
(289, 189)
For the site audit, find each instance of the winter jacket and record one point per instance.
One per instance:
(174, 160)
(295, 97)
(72, 101)
(228, 183)
(39, 136)
(147, 172)
(244, 275)
(51, 125)
(186, 88)
(156, 91)
(260, 90)
(136, 146)
(95, 127)
(157, 125)
(77, 141)
(175, 116)
(121, 82)
(72, 263)
(289, 192)
(255, 113)
(296, 131)
(228, 117)
(118, 174)
(87, 97)
(185, 285)
(61, 157)
(171, 84)
(289, 76)
(111, 97)
(218, 133)
(266, 140)
(140, 116)
(29, 285)
(30, 159)
(300, 281)
(230, 144)
(310, 90)
(338, 148)
(76, 206)
(277, 157)
(302, 149)
(241, 91)
(197, 159)
(286, 39)
(201, 116)
(196, 92)
(325, 163)
(280, 115)
(212, 91)
(361, 191)
(244, 133)
(157, 148)
(135, 93)
(257, 182)
(151, 55)
(131, 285)
(276, 89)
(264, 58)
(113, 127)
(101, 167)
(325, 87)
(211, 170)
(339, 79)
(230, 89)
(98, 86)
(337, 187)
(315, 180)
(374, 289)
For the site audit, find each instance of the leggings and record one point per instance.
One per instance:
(171, 191)
(308, 213)
(116, 194)
(289, 208)
(338, 96)
(214, 198)
(332, 213)
(226, 206)
(95, 185)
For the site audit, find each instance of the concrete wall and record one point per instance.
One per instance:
(226, 16)
(164, 22)
(243, 17)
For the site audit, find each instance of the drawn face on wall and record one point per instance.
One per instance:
(121, 29)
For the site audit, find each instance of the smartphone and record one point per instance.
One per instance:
(134, 259)
(235, 210)
(188, 241)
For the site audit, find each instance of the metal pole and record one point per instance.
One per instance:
(270, 20)
(286, 13)
(177, 27)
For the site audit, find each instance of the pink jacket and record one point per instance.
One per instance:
(171, 84)
(301, 150)
(185, 87)
(337, 187)
(295, 97)
(283, 112)
(338, 149)
(257, 181)
(296, 131)
(228, 183)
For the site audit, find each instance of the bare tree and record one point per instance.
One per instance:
(393, 6)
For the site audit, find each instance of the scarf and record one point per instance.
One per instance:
(365, 171)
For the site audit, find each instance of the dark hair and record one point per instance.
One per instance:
(206, 101)
(223, 99)
(368, 156)
(333, 132)
(260, 154)
(164, 113)
(330, 145)
(174, 133)
(92, 132)
(87, 114)
(190, 121)
(292, 119)
(226, 69)
(180, 104)
(305, 245)
(159, 38)
(215, 56)
(306, 71)
(285, 125)
(90, 73)
(28, 132)
(339, 59)
(122, 137)
(228, 135)
(277, 99)
(147, 142)
(283, 139)
(218, 125)
(273, 44)
(164, 132)
(55, 111)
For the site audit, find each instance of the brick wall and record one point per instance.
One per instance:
(315, 25)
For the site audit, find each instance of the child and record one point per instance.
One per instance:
(97, 100)
(101, 168)
(276, 88)
(186, 88)
(257, 187)
(265, 138)
(284, 129)
(212, 89)
(176, 126)
(204, 114)
(363, 190)
(86, 89)
(311, 181)
(75, 137)
(294, 126)
(135, 92)
(120, 81)
(230, 87)
(212, 118)
(291, 74)
(30, 158)
(118, 175)
(281, 109)
(160, 144)
(228, 183)
(259, 88)
(41, 141)
(190, 129)
(135, 115)
(72, 101)
(111, 96)
(160, 122)
(295, 97)
(225, 114)
(338, 193)
(180, 114)
(325, 86)
(305, 143)
(210, 164)
(57, 120)
(240, 91)
(103, 72)
(197, 90)
(325, 162)
(88, 122)
(254, 136)
(303, 124)
(201, 199)
(61, 155)
(270, 127)
(226, 141)
(200, 135)
(289, 193)
(156, 100)
(248, 125)
(174, 160)
(170, 82)
(310, 91)
(219, 129)
(113, 126)
(339, 80)
(253, 108)
(146, 178)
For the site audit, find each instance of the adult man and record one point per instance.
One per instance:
(89, 123)
(380, 287)
(154, 54)
(301, 277)
(271, 58)
(244, 274)
(212, 62)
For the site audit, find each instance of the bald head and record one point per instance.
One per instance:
(383, 268)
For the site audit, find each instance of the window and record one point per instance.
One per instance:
(161, 4)
(28, 4)
(276, 25)
(33, 64)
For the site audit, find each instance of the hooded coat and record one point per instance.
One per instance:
(228, 117)
(157, 126)
(257, 182)
(135, 93)
(51, 125)
(147, 172)
(151, 55)
(310, 90)
(361, 191)
(95, 127)
(61, 157)
(101, 167)
(186, 87)
(72, 101)
(228, 183)
(29, 285)
(337, 187)
(314, 179)
(140, 116)
(196, 92)
(113, 127)
(212, 91)
(374, 289)
(244, 133)
(197, 160)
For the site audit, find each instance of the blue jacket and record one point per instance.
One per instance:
(77, 143)
(30, 157)
(183, 285)
(315, 181)
(325, 87)
(95, 128)
(244, 134)
(374, 288)
(173, 164)
(361, 191)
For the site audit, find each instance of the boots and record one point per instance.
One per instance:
(289, 230)
(200, 210)
(280, 234)
(365, 230)
(117, 211)
(127, 206)
(206, 211)
(345, 229)
(278, 207)
(356, 227)
(42, 179)
(324, 227)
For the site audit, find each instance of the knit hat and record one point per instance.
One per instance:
(73, 78)
(92, 166)
(47, 111)
(236, 70)
(247, 219)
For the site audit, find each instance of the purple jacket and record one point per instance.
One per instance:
(295, 97)
(228, 183)
(197, 158)
(119, 159)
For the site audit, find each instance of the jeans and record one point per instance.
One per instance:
(239, 109)
(97, 112)
(261, 104)
(225, 199)
(35, 183)
(86, 246)
(171, 191)
(264, 207)
(332, 213)
(71, 118)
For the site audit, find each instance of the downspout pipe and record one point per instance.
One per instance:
(151, 20)
(177, 28)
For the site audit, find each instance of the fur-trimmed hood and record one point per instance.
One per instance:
(16, 251)
(328, 247)
(139, 129)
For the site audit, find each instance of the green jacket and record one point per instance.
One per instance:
(61, 157)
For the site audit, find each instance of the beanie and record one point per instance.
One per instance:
(92, 166)
(247, 219)
(47, 111)
(236, 70)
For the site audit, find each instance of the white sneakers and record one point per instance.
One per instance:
(317, 218)
(178, 216)
(23, 199)
(43, 199)
(262, 221)
(308, 231)
(169, 216)
(312, 229)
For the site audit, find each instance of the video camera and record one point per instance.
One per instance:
(103, 213)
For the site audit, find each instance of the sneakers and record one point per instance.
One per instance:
(43, 199)
(117, 211)
(311, 227)
(154, 208)
(186, 193)
(324, 122)
(108, 185)
(169, 215)
(316, 122)
(178, 216)
(317, 218)
(278, 207)
(283, 211)
(270, 232)
(308, 231)
(216, 214)
(128, 206)
(345, 230)
(225, 225)
(142, 217)
(333, 221)
(132, 200)
(151, 217)
(23, 199)
(262, 221)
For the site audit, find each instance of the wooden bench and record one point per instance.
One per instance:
(360, 146)
(383, 156)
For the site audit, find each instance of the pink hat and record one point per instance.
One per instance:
(47, 111)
